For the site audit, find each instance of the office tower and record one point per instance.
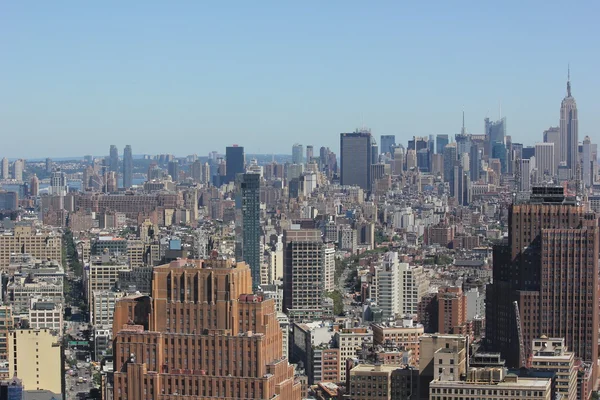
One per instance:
(452, 311)
(127, 167)
(549, 265)
(387, 143)
(411, 160)
(5, 171)
(524, 175)
(305, 257)
(35, 356)
(587, 162)
(34, 186)
(297, 154)
(196, 171)
(113, 163)
(356, 159)
(552, 135)
(174, 170)
(202, 334)
(517, 149)
(235, 162)
(569, 130)
(450, 158)
(550, 354)
(461, 186)
(463, 144)
(495, 132)
(423, 160)
(249, 203)
(431, 348)
(374, 151)
(48, 165)
(309, 153)
(475, 157)
(440, 143)
(499, 153)
(544, 161)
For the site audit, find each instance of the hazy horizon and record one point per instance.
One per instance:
(192, 77)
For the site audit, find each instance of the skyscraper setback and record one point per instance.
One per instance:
(127, 167)
(550, 267)
(202, 334)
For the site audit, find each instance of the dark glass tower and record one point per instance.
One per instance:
(127, 167)
(356, 159)
(387, 142)
(235, 161)
(249, 190)
(113, 159)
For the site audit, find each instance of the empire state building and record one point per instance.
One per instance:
(569, 130)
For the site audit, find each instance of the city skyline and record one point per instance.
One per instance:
(298, 84)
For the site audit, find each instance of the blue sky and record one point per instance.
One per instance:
(194, 76)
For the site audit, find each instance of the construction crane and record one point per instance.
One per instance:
(520, 334)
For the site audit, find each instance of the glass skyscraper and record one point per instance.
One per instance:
(249, 185)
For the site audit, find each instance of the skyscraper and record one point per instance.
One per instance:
(569, 130)
(450, 158)
(113, 164)
(587, 161)
(305, 257)
(387, 142)
(544, 161)
(495, 132)
(202, 334)
(309, 153)
(249, 189)
(440, 142)
(127, 167)
(297, 154)
(18, 167)
(235, 162)
(5, 169)
(475, 157)
(356, 159)
(552, 135)
(174, 170)
(549, 265)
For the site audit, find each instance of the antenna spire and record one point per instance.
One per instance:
(568, 80)
(463, 130)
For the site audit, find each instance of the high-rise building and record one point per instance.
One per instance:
(386, 289)
(174, 170)
(249, 192)
(495, 132)
(5, 170)
(544, 161)
(127, 167)
(34, 186)
(35, 356)
(356, 159)
(17, 170)
(387, 143)
(305, 257)
(475, 157)
(552, 135)
(202, 334)
(113, 163)
(549, 265)
(450, 159)
(463, 144)
(587, 163)
(297, 154)
(374, 151)
(440, 143)
(48, 165)
(499, 153)
(309, 153)
(235, 162)
(569, 130)
(452, 311)
(525, 175)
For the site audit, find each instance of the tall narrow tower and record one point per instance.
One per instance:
(569, 130)
(127, 167)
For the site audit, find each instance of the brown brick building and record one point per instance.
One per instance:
(550, 267)
(201, 335)
(452, 311)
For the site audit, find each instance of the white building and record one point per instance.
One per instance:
(550, 354)
(414, 285)
(475, 304)
(104, 306)
(387, 286)
(544, 158)
(45, 315)
(349, 341)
